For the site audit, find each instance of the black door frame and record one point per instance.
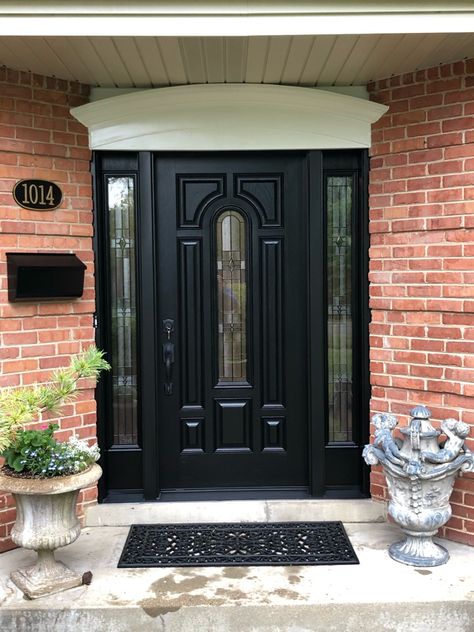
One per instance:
(142, 465)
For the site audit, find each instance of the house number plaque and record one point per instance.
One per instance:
(37, 195)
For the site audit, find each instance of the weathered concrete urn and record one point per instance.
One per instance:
(47, 520)
(420, 473)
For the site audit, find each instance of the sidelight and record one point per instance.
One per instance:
(121, 216)
(231, 254)
(339, 196)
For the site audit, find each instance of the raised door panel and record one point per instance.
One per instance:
(195, 193)
(190, 324)
(271, 311)
(232, 420)
(264, 193)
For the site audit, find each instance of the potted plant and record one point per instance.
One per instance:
(45, 475)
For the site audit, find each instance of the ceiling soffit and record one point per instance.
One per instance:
(150, 62)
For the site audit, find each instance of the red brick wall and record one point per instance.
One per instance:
(40, 139)
(422, 256)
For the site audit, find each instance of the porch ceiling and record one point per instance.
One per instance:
(304, 60)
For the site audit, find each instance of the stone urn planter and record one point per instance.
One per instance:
(420, 473)
(47, 520)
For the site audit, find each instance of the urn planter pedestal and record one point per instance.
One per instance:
(420, 473)
(47, 520)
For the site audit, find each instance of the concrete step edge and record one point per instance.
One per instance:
(350, 617)
(123, 514)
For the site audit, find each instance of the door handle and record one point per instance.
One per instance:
(168, 361)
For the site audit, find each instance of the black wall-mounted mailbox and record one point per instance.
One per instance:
(44, 276)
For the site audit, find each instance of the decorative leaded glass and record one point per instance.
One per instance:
(339, 269)
(231, 296)
(121, 208)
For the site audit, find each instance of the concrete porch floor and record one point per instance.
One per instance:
(378, 594)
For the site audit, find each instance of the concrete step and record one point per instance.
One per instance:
(377, 595)
(123, 514)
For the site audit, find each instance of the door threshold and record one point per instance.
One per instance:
(264, 493)
(231, 493)
(269, 510)
(193, 495)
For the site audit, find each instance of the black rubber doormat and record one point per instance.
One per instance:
(237, 544)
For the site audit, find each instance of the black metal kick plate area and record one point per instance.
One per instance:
(237, 544)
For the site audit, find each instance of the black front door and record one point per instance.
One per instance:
(231, 275)
(232, 303)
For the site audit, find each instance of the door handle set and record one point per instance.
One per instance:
(168, 361)
(168, 355)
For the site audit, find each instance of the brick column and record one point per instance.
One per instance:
(39, 139)
(422, 257)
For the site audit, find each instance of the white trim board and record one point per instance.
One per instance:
(152, 25)
(97, 93)
(229, 7)
(229, 117)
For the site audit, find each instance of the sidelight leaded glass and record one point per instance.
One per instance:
(121, 211)
(339, 269)
(231, 296)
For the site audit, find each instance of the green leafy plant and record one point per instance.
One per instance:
(40, 454)
(36, 451)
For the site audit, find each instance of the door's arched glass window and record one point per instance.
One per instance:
(232, 296)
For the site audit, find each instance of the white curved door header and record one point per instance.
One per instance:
(229, 117)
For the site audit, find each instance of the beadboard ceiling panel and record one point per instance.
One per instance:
(446, 46)
(322, 60)
(112, 59)
(426, 49)
(8, 57)
(256, 59)
(382, 51)
(76, 64)
(317, 58)
(361, 52)
(214, 53)
(300, 49)
(339, 56)
(86, 51)
(47, 56)
(152, 59)
(236, 59)
(400, 47)
(173, 60)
